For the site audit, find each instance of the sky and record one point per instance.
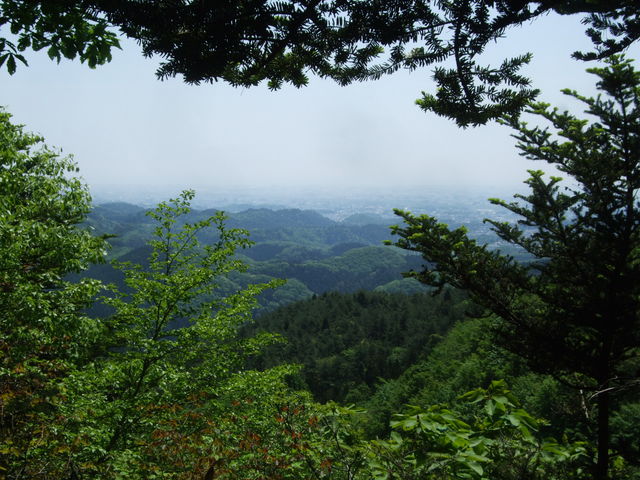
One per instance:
(126, 128)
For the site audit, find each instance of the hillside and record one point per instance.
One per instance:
(313, 253)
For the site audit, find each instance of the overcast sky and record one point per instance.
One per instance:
(126, 127)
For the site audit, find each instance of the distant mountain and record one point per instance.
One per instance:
(262, 218)
(117, 210)
(314, 253)
(253, 218)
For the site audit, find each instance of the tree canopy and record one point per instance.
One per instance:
(43, 333)
(246, 42)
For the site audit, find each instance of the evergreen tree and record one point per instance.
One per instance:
(574, 311)
(246, 42)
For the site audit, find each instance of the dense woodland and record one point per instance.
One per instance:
(313, 253)
(131, 341)
(350, 342)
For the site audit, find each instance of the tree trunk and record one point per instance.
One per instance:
(604, 400)
(602, 465)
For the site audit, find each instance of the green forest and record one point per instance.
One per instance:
(174, 343)
(314, 254)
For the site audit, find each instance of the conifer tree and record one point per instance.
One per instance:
(245, 42)
(573, 311)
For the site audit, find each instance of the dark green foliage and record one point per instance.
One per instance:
(574, 311)
(611, 31)
(246, 42)
(626, 433)
(348, 343)
(66, 29)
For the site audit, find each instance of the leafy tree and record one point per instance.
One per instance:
(65, 29)
(89, 398)
(246, 42)
(497, 440)
(574, 310)
(166, 356)
(43, 333)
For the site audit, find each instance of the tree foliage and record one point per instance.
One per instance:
(43, 332)
(130, 395)
(65, 29)
(246, 42)
(348, 343)
(579, 299)
(495, 439)
(154, 381)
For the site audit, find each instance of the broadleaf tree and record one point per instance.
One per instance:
(84, 397)
(43, 332)
(572, 311)
(246, 42)
(495, 438)
(167, 355)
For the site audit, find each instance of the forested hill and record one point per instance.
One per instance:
(349, 343)
(381, 351)
(280, 227)
(313, 253)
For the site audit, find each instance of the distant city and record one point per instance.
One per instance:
(334, 203)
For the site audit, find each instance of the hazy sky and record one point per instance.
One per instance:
(126, 127)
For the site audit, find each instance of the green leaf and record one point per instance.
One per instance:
(11, 64)
(490, 407)
(514, 420)
(53, 53)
